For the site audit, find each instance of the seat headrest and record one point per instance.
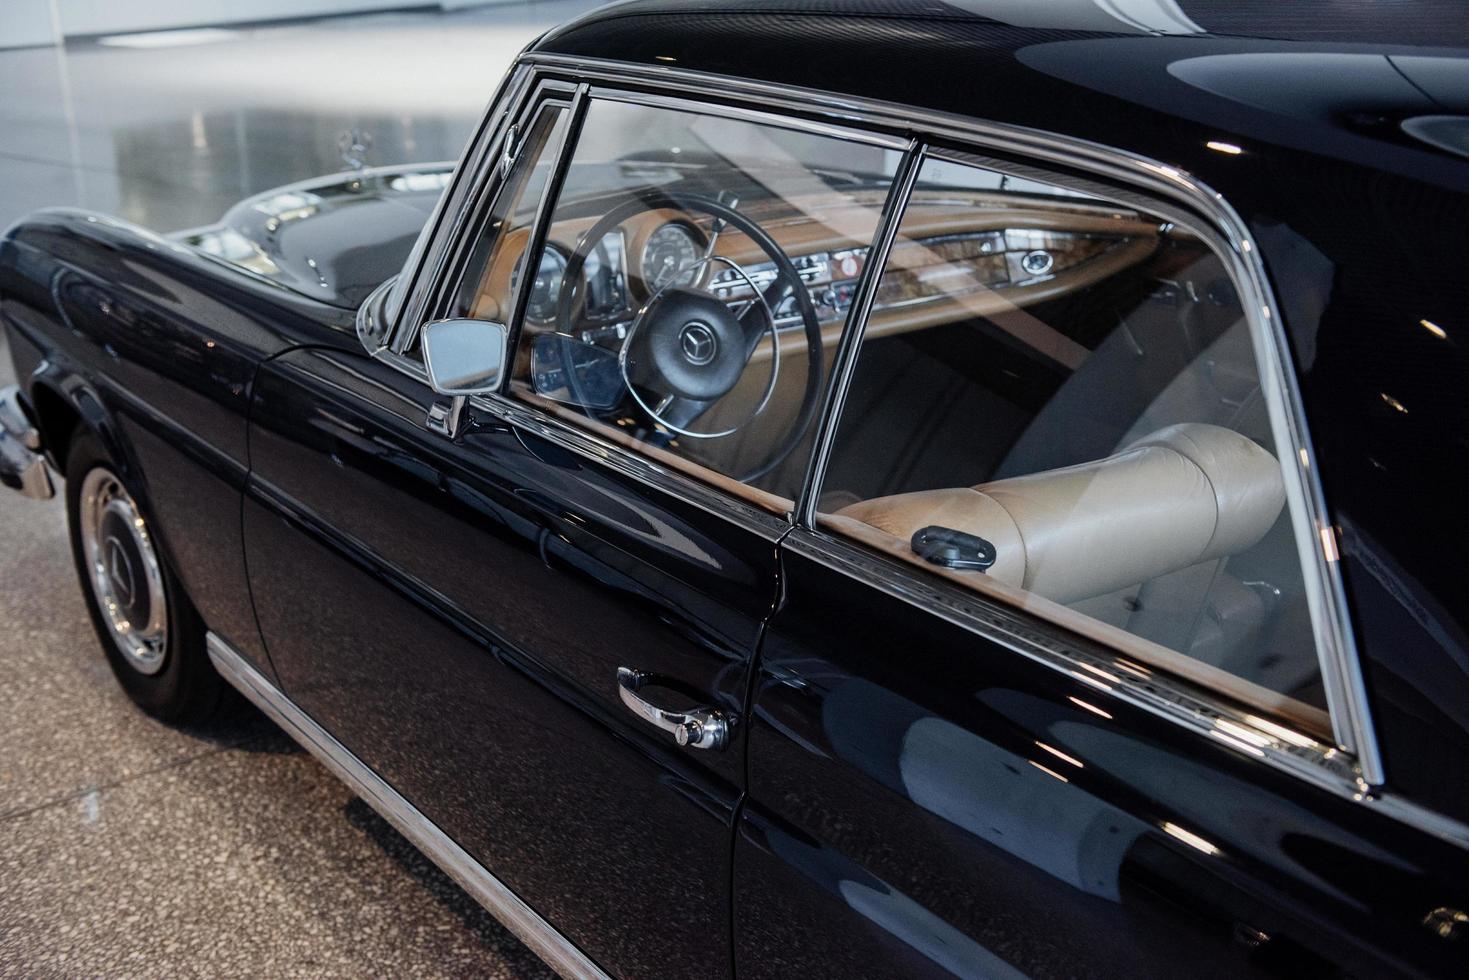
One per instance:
(1185, 494)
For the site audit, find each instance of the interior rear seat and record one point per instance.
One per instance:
(1137, 539)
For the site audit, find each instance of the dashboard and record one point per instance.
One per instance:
(958, 255)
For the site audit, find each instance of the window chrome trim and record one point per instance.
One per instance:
(540, 227)
(854, 330)
(476, 188)
(420, 271)
(1268, 365)
(1335, 642)
(496, 897)
(1102, 667)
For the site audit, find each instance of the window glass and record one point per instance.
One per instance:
(490, 294)
(696, 277)
(1056, 400)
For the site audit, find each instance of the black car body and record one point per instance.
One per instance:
(672, 712)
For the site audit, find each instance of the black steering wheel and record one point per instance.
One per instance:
(685, 344)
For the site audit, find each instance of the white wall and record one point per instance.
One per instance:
(81, 17)
(28, 22)
(24, 23)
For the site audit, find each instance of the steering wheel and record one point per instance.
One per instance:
(685, 344)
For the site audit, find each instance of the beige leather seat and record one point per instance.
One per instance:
(1186, 495)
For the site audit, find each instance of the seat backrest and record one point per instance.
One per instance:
(1185, 494)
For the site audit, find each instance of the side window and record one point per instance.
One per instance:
(489, 293)
(697, 273)
(1056, 401)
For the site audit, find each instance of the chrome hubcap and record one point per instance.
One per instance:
(126, 579)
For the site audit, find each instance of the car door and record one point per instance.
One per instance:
(1043, 695)
(513, 609)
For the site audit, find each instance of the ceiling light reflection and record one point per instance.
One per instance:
(1089, 707)
(1048, 772)
(1189, 837)
(1434, 329)
(1219, 146)
(1060, 755)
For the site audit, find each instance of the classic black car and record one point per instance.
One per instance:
(848, 489)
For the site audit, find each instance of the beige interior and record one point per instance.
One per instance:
(1182, 496)
(1145, 654)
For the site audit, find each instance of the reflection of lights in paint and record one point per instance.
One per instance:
(1328, 545)
(1090, 680)
(1189, 837)
(1219, 146)
(1048, 772)
(1132, 668)
(1394, 404)
(1089, 707)
(1059, 754)
(1113, 678)
(1435, 329)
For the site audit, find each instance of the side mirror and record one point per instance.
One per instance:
(465, 357)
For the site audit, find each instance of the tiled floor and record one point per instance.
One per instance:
(127, 847)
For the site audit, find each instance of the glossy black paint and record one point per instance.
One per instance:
(454, 610)
(1362, 228)
(923, 801)
(455, 613)
(155, 347)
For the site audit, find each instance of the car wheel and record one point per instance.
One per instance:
(150, 632)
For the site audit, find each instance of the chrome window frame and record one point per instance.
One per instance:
(471, 196)
(1353, 768)
(1332, 636)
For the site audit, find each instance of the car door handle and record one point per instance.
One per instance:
(699, 728)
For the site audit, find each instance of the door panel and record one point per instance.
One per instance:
(923, 801)
(455, 613)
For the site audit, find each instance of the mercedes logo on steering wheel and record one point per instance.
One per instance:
(698, 343)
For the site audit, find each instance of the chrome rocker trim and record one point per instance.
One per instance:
(489, 891)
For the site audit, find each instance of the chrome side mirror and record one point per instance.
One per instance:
(465, 357)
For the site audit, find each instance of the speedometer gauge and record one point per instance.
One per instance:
(669, 256)
(545, 291)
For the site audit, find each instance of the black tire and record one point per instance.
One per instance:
(182, 687)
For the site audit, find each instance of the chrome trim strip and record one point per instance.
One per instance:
(489, 891)
(1192, 706)
(1335, 642)
(1102, 668)
(855, 329)
(540, 229)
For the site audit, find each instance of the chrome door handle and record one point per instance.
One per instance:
(699, 728)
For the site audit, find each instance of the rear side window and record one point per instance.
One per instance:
(1056, 401)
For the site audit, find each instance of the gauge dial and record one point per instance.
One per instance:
(669, 256)
(546, 289)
